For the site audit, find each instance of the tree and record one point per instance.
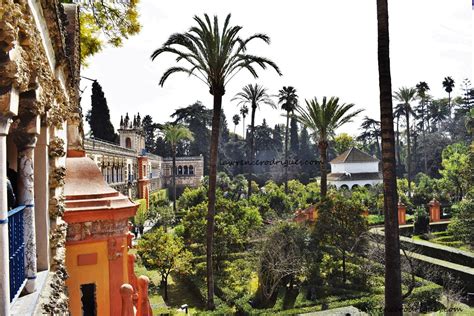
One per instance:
(114, 21)
(244, 110)
(253, 95)
(397, 113)
(405, 96)
(343, 142)
(294, 141)
(98, 116)
(166, 253)
(393, 279)
(340, 227)
(149, 128)
(456, 169)
(277, 138)
(235, 120)
(288, 99)
(371, 129)
(421, 89)
(323, 119)
(448, 85)
(174, 134)
(214, 58)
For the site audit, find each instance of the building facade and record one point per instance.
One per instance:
(131, 170)
(354, 168)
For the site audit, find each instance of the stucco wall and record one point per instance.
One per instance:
(358, 167)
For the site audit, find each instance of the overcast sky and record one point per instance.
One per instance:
(323, 47)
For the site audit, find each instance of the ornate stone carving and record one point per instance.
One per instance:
(115, 247)
(56, 177)
(56, 148)
(56, 206)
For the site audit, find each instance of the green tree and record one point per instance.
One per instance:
(174, 134)
(340, 227)
(294, 139)
(405, 96)
(343, 142)
(421, 89)
(448, 85)
(371, 130)
(277, 138)
(98, 116)
(398, 113)
(214, 57)
(288, 99)
(393, 278)
(236, 121)
(323, 119)
(112, 21)
(166, 253)
(253, 95)
(149, 128)
(456, 169)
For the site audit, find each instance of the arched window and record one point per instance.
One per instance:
(185, 170)
(128, 142)
(355, 186)
(367, 186)
(191, 170)
(180, 170)
(344, 187)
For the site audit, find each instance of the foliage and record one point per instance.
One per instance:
(457, 170)
(462, 225)
(422, 221)
(115, 21)
(343, 142)
(160, 212)
(164, 252)
(98, 116)
(141, 215)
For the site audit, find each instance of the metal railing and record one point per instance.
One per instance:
(16, 250)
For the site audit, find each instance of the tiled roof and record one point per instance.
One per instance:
(354, 176)
(353, 155)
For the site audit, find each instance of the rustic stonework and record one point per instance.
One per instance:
(97, 230)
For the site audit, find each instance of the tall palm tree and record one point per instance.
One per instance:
(253, 95)
(323, 119)
(393, 278)
(421, 89)
(448, 85)
(373, 128)
(236, 120)
(288, 99)
(214, 56)
(173, 134)
(244, 111)
(397, 113)
(405, 96)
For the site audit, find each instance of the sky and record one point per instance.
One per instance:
(323, 48)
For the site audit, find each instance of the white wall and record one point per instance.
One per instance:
(360, 183)
(356, 167)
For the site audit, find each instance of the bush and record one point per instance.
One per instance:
(422, 221)
(424, 298)
(462, 225)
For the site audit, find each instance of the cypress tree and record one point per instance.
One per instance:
(294, 141)
(149, 129)
(98, 116)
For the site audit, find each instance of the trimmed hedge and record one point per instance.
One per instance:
(161, 194)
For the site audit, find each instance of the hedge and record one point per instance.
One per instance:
(161, 194)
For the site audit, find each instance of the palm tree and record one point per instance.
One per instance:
(236, 120)
(323, 119)
(405, 96)
(244, 110)
(393, 279)
(448, 85)
(214, 56)
(288, 99)
(373, 128)
(397, 113)
(421, 89)
(254, 95)
(173, 134)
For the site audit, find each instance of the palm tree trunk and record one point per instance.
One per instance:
(216, 115)
(407, 116)
(252, 149)
(174, 178)
(425, 163)
(243, 127)
(393, 280)
(286, 151)
(399, 160)
(323, 146)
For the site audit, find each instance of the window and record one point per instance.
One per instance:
(185, 169)
(191, 170)
(88, 300)
(128, 142)
(180, 170)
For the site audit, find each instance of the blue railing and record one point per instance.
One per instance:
(16, 250)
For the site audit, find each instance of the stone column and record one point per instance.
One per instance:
(402, 209)
(8, 108)
(42, 198)
(25, 139)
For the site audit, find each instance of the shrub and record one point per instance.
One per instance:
(422, 221)
(424, 298)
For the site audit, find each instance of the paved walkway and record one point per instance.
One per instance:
(341, 311)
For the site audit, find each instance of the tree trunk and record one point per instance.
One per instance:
(323, 146)
(216, 115)
(393, 291)
(243, 127)
(164, 282)
(252, 149)
(174, 179)
(286, 151)
(399, 160)
(407, 117)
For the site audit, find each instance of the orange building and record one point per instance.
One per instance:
(96, 242)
